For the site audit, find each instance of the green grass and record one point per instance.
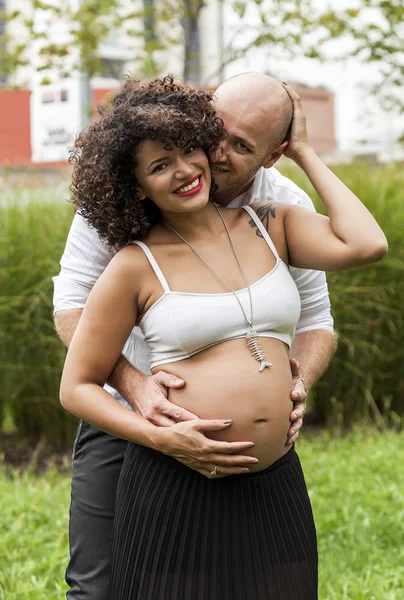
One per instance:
(34, 535)
(357, 491)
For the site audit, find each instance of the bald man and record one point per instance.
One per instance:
(257, 113)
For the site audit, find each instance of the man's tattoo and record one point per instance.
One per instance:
(263, 214)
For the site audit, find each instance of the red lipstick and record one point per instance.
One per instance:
(194, 190)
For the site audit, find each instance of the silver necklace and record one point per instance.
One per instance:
(253, 340)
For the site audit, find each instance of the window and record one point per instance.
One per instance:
(48, 97)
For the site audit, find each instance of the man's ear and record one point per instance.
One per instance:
(275, 155)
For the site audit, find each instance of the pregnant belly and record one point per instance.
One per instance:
(224, 382)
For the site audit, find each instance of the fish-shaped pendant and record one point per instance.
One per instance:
(254, 343)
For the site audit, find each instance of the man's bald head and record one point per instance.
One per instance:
(257, 113)
(258, 97)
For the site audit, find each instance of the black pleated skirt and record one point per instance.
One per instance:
(181, 536)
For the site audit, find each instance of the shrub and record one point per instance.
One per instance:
(33, 230)
(364, 381)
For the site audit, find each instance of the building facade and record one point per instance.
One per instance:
(58, 109)
(38, 135)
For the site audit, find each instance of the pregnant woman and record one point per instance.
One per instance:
(211, 290)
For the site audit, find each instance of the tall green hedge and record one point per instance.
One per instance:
(33, 229)
(366, 377)
(364, 381)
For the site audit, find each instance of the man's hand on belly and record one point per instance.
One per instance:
(148, 395)
(149, 398)
(298, 396)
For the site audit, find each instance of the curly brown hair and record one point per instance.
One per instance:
(104, 155)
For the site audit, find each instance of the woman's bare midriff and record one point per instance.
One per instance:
(224, 382)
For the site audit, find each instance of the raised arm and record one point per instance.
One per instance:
(349, 236)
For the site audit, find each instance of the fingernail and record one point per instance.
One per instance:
(227, 422)
(178, 380)
(295, 394)
(292, 431)
(294, 415)
(255, 460)
(284, 83)
(251, 445)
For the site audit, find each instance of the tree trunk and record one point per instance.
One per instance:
(149, 22)
(192, 58)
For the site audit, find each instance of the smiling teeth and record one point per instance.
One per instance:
(187, 188)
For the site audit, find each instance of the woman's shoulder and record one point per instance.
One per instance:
(129, 261)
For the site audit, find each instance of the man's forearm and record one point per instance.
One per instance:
(313, 350)
(123, 377)
(66, 322)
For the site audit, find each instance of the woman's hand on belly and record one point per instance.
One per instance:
(187, 443)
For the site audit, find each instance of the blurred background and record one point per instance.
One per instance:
(58, 60)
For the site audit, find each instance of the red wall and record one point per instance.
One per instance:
(318, 105)
(101, 97)
(15, 139)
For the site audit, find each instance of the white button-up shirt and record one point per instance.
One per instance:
(85, 258)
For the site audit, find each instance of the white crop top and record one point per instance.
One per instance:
(181, 324)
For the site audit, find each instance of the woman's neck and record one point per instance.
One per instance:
(203, 224)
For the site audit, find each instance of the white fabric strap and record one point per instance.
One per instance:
(262, 229)
(154, 265)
